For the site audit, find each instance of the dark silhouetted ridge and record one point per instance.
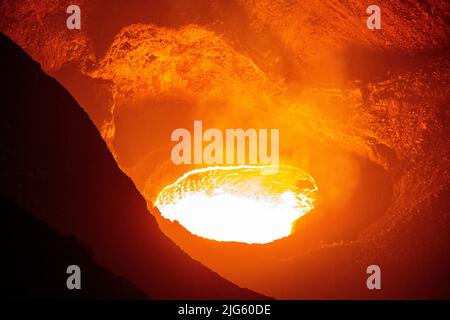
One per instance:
(56, 166)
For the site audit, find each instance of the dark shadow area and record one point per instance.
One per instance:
(35, 259)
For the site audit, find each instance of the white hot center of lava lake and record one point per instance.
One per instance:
(238, 203)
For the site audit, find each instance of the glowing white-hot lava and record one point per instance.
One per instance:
(238, 203)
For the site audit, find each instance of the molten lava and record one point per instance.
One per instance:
(238, 203)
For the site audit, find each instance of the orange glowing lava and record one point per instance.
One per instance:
(238, 203)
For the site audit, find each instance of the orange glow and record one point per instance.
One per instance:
(238, 203)
(363, 112)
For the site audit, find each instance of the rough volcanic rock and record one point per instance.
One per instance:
(40, 28)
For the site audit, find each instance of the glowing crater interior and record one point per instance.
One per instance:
(238, 203)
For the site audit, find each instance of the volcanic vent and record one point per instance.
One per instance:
(238, 203)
